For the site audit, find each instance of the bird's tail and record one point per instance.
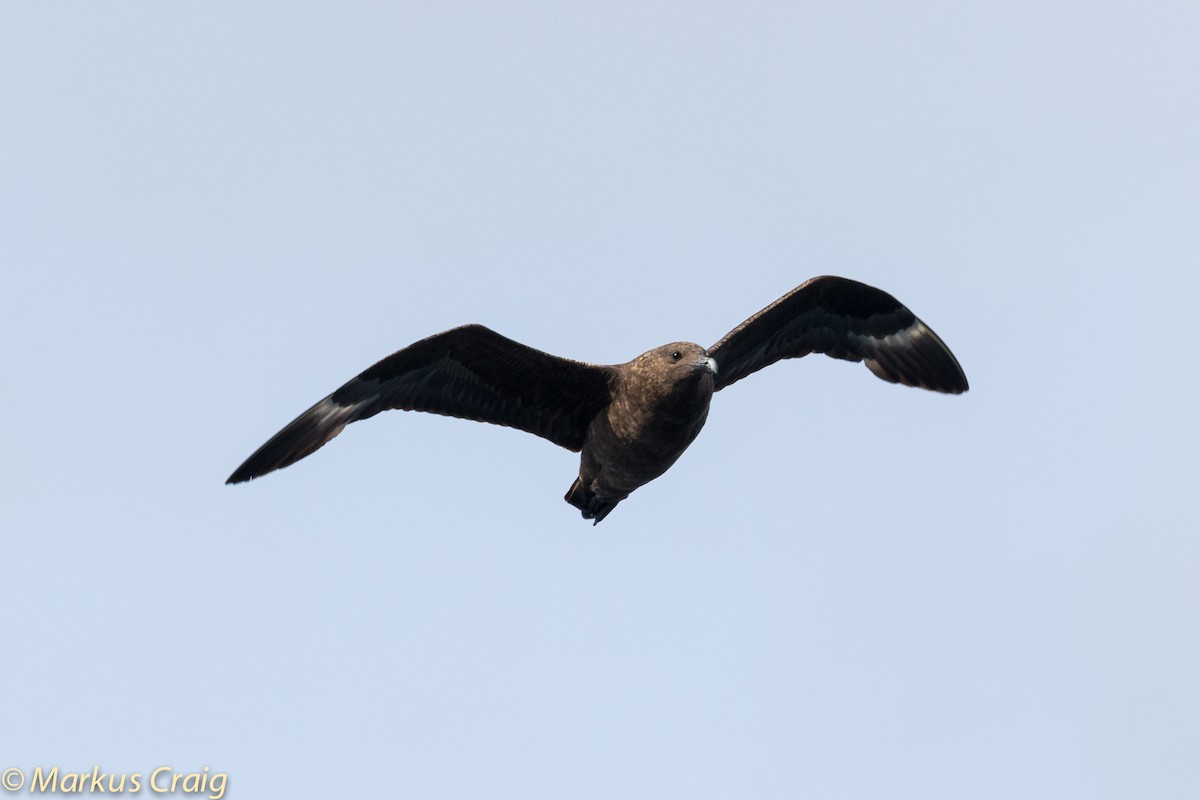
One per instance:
(588, 503)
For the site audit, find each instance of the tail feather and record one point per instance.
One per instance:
(589, 504)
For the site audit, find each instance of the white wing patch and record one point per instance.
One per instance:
(901, 338)
(332, 417)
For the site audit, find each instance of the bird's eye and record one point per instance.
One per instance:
(675, 356)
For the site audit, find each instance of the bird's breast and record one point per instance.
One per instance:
(655, 427)
(641, 435)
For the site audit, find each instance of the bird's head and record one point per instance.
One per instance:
(678, 360)
(675, 367)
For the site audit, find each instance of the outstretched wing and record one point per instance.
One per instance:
(843, 319)
(469, 372)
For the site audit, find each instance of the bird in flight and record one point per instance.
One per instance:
(629, 422)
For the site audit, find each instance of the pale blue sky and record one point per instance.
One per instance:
(212, 214)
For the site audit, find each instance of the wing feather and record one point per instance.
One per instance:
(844, 319)
(469, 372)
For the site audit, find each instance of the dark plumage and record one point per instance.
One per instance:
(630, 422)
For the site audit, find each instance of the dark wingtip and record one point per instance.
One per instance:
(239, 476)
(951, 379)
(920, 359)
(307, 433)
(249, 470)
(956, 379)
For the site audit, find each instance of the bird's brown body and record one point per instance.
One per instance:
(659, 404)
(629, 422)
